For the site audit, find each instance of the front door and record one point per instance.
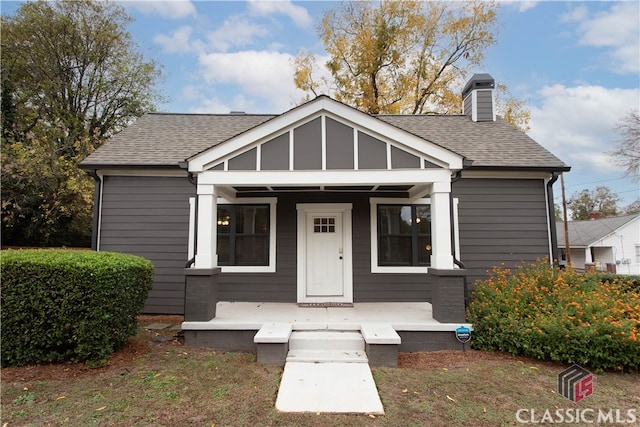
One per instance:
(324, 254)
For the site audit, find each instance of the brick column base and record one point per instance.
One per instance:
(201, 294)
(447, 295)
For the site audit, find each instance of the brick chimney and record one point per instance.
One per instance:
(594, 215)
(478, 100)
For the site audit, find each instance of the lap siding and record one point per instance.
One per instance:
(149, 216)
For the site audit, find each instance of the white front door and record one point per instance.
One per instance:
(324, 253)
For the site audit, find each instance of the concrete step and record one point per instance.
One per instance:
(327, 356)
(326, 340)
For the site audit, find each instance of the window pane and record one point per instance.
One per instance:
(252, 250)
(423, 219)
(424, 250)
(395, 250)
(224, 219)
(394, 219)
(223, 249)
(252, 219)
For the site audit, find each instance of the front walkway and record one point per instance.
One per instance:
(402, 316)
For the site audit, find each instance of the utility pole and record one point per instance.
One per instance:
(566, 226)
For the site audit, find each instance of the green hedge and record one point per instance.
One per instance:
(538, 311)
(60, 305)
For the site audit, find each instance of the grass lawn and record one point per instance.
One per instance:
(164, 383)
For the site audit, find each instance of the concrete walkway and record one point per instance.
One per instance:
(328, 388)
(328, 371)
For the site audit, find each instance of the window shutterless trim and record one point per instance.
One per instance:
(271, 267)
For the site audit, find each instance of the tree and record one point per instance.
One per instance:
(627, 151)
(600, 201)
(71, 77)
(632, 208)
(403, 57)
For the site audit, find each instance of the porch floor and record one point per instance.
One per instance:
(402, 316)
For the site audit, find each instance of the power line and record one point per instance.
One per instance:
(604, 180)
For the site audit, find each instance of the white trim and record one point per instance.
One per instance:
(323, 141)
(291, 157)
(271, 268)
(178, 173)
(373, 205)
(477, 174)
(100, 176)
(355, 149)
(191, 248)
(302, 210)
(321, 107)
(329, 177)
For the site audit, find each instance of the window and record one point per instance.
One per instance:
(404, 235)
(401, 240)
(243, 235)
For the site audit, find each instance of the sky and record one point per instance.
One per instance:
(576, 64)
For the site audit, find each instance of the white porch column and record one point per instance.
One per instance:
(442, 255)
(206, 253)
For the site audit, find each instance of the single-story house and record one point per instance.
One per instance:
(606, 244)
(324, 205)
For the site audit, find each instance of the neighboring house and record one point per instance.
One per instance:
(325, 204)
(608, 244)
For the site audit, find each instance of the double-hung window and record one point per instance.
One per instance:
(245, 234)
(401, 240)
(404, 235)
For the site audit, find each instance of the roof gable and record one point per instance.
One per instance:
(583, 234)
(325, 134)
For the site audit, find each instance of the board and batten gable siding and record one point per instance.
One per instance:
(501, 221)
(149, 216)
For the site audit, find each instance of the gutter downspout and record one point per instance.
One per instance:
(456, 261)
(194, 181)
(97, 209)
(552, 219)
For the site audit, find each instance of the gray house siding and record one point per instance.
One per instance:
(281, 286)
(501, 221)
(149, 216)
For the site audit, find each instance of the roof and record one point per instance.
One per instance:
(164, 139)
(583, 234)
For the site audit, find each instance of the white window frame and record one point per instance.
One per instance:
(271, 267)
(374, 202)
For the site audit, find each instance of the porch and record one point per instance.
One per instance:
(236, 324)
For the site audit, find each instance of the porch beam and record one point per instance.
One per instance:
(327, 177)
(206, 253)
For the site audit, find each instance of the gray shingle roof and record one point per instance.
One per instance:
(582, 234)
(487, 144)
(159, 139)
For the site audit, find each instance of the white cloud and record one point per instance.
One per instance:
(617, 29)
(172, 9)
(298, 14)
(179, 41)
(576, 14)
(236, 31)
(577, 123)
(264, 77)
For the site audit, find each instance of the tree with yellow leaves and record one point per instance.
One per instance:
(403, 57)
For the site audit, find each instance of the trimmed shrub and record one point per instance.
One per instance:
(561, 315)
(60, 305)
